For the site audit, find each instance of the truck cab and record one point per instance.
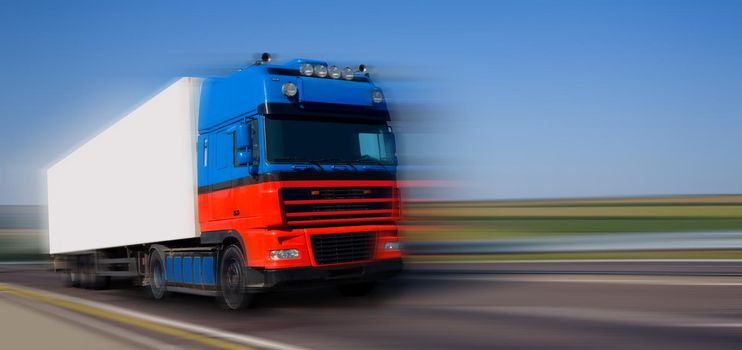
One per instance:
(297, 167)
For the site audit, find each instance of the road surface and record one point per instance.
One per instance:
(586, 242)
(536, 305)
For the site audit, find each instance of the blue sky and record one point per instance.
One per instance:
(521, 99)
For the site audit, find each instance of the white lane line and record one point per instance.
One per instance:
(208, 331)
(655, 281)
(600, 315)
(717, 325)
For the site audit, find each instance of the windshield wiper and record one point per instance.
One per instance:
(339, 161)
(299, 160)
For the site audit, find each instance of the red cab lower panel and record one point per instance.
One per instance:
(330, 223)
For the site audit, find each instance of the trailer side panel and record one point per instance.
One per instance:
(134, 183)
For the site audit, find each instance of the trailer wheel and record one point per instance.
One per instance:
(157, 285)
(89, 277)
(66, 277)
(356, 289)
(73, 269)
(232, 279)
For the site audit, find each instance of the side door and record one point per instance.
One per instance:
(221, 174)
(202, 166)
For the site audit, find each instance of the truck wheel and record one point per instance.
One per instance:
(87, 275)
(356, 289)
(66, 278)
(157, 283)
(100, 282)
(74, 271)
(232, 279)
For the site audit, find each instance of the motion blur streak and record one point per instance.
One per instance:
(478, 306)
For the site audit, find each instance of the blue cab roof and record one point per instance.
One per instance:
(258, 89)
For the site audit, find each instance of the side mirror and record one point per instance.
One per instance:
(242, 134)
(243, 150)
(244, 157)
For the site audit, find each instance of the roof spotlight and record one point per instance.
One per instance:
(376, 96)
(334, 72)
(265, 58)
(320, 70)
(306, 69)
(347, 73)
(362, 68)
(289, 89)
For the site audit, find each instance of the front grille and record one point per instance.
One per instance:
(343, 247)
(336, 193)
(323, 205)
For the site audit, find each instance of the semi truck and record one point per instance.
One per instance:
(276, 176)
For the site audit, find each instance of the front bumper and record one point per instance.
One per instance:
(299, 277)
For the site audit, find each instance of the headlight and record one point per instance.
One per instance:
(391, 246)
(289, 89)
(334, 72)
(347, 73)
(284, 254)
(377, 96)
(320, 70)
(306, 69)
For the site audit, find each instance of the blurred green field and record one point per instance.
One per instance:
(642, 255)
(22, 229)
(478, 220)
(20, 245)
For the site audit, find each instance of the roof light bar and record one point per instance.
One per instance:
(347, 73)
(320, 70)
(306, 69)
(334, 72)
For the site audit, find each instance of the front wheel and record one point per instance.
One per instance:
(232, 279)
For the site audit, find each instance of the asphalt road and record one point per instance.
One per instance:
(570, 305)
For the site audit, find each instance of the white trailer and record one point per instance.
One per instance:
(134, 183)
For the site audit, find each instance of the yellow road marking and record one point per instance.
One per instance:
(151, 326)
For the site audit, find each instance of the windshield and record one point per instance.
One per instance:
(299, 141)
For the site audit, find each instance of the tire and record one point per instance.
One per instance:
(157, 284)
(358, 289)
(89, 278)
(87, 275)
(65, 277)
(233, 279)
(74, 271)
(101, 282)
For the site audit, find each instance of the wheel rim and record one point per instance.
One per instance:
(158, 277)
(157, 285)
(232, 286)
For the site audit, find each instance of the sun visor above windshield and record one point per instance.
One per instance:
(316, 90)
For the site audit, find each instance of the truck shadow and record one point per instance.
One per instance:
(386, 291)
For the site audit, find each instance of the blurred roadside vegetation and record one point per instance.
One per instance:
(484, 220)
(23, 228)
(634, 255)
(22, 232)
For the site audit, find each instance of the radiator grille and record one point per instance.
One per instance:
(343, 247)
(319, 205)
